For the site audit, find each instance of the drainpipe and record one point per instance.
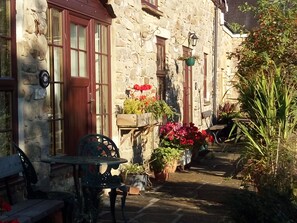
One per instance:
(215, 63)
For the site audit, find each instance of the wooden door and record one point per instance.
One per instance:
(78, 90)
(187, 94)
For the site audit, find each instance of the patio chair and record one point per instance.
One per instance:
(33, 192)
(94, 180)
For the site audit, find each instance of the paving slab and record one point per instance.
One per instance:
(200, 195)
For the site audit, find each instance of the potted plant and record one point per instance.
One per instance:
(187, 137)
(135, 175)
(141, 109)
(190, 60)
(161, 159)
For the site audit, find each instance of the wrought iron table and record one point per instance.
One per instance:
(76, 161)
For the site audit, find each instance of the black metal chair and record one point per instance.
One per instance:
(93, 181)
(33, 192)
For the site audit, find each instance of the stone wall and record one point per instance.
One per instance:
(133, 61)
(134, 50)
(32, 50)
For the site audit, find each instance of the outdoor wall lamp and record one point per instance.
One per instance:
(192, 39)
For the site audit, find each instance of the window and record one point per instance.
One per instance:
(153, 3)
(8, 100)
(102, 79)
(205, 90)
(151, 7)
(161, 67)
(55, 90)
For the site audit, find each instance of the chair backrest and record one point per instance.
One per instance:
(29, 171)
(99, 146)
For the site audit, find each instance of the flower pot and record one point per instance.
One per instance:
(134, 120)
(137, 180)
(186, 157)
(161, 176)
(190, 61)
(171, 167)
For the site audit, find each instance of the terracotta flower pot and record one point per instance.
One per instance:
(161, 176)
(171, 167)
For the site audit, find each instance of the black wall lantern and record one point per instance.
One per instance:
(192, 39)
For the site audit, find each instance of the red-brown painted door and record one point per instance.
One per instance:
(187, 95)
(78, 90)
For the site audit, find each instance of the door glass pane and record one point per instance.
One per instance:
(82, 64)
(5, 122)
(73, 36)
(74, 63)
(59, 131)
(82, 38)
(78, 51)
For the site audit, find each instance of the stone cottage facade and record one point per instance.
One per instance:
(96, 50)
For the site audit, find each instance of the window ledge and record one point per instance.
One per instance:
(151, 10)
(206, 102)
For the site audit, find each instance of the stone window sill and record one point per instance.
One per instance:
(151, 10)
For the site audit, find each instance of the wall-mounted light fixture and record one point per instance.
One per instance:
(192, 39)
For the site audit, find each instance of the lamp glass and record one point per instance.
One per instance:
(194, 39)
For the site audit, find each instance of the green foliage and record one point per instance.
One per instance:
(133, 168)
(269, 101)
(270, 206)
(227, 112)
(161, 156)
(275, 38)
(158, 108)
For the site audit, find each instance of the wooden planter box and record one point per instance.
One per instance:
(134, 120)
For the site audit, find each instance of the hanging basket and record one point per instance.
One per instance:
(190, 61)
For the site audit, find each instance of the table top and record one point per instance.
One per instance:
(80, 160)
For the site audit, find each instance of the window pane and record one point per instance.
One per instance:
(5, 122)
(105, 129)
(57, 27)
(104, 102)
(58, 64)
(5, 58)
(97, 38)
(74, 63)
(4, 18)
(97, 68)
(104, 71)
(98, 124)
(58, 101)
(104, 39)
(57, 137)
(98, 97)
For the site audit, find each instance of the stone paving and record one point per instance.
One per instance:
(199, 195)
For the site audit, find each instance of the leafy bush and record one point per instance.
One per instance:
(271, 207)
